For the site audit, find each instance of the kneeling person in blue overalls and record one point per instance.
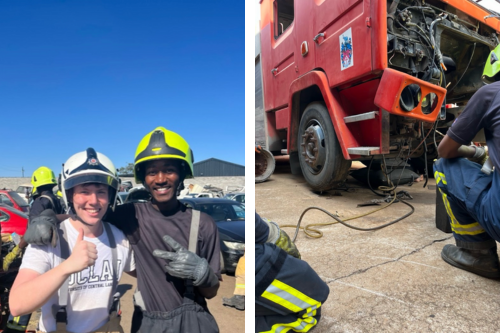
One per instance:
(472, 197)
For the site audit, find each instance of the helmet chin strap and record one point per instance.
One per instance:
(180, 187)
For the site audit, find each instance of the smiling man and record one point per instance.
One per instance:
(91, 256)
(172, 282)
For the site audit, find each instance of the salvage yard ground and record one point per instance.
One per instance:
(390, 280)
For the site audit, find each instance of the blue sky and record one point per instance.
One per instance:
(102, 74)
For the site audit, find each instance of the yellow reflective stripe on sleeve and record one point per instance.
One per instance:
(289, 297)
(460, 229)
(15, 324)
(301, 325)
(439, 176)
(242, 286)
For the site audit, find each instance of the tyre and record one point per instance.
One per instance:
(321, 160)
(222, 265)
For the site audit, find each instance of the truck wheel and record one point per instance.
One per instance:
(321, 160)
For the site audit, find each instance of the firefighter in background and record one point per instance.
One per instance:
(238, 299)
(288, 292)
(471, 197)
(43, 181)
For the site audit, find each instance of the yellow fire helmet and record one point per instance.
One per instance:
(42, 176)
(492, 66)
(162, 144)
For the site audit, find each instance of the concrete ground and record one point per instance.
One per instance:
(229, 319)
(390, 280)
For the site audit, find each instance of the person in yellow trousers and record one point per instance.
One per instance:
(238, 299)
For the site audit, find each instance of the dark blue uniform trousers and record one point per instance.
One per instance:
(472, 201)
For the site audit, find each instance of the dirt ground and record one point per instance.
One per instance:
(390, 280)
(229, 320)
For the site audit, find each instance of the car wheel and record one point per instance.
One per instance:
(321, 160)
(222, 265)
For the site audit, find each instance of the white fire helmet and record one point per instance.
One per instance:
(89, 167)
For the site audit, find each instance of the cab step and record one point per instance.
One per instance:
(361, 117)
(365, 151)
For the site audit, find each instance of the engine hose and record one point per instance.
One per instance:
(438, 51)
(425, 157)
(390, 15)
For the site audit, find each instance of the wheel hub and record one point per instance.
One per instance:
(313, 150)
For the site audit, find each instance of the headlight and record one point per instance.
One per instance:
(235, 246)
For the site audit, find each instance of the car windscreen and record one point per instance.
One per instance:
(18, 199)
(223, 212)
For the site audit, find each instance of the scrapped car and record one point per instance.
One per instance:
(23, 189)
(240, 197)
(230, 219)
(138, 195)
(13, 199)
(13, 220)
(121, 197)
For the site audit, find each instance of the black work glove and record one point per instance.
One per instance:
(42, 229)
(185, 264)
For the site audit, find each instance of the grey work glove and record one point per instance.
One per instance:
(185, 264)
(42, 229)
(480, 156)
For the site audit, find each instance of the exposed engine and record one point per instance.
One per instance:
(434, 42)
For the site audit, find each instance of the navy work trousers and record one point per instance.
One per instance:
(471, 198)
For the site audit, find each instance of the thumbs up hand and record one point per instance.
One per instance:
(84, 254)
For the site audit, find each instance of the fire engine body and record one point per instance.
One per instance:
(338, 81)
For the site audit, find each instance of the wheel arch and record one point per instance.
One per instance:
(310, 88)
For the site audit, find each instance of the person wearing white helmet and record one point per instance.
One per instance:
(75, 282)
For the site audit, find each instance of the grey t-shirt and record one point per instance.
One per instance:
(145, 226)
(482, 111)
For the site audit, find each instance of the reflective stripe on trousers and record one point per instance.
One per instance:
(295, 301)
(462, 184)
(301, 325)
(472, 228)
(239, 288)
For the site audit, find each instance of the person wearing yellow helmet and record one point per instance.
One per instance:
(43, 181)
(173, 282)
(163, 160)
(469, 190)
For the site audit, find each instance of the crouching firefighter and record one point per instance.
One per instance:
(471, 197)
(288, 292)
(74, 280)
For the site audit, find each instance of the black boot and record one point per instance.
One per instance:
(483, 262)
(237, 301)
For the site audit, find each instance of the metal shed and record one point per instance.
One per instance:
(214, 167)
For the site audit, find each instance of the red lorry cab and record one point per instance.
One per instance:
(338, 81)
